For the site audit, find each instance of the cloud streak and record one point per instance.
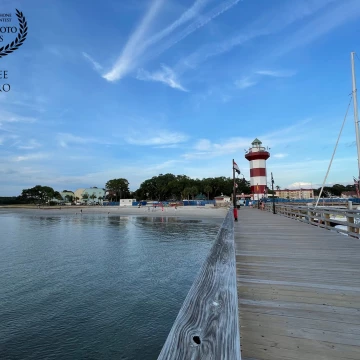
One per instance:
(33, 156)
(245, 83)
(95, 64)
(65, 139)
(134, 52)
(160, 138)
(276, 73)
(133, 48)
(196, 25)
(166, 76)
(268, 24)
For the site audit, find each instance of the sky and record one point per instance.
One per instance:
(108, 89)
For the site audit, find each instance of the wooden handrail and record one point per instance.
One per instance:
(207, 326)
(320, 216)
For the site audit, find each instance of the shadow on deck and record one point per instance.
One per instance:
(298, 289)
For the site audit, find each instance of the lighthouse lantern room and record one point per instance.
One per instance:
(257, 156)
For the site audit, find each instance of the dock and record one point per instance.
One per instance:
(298, 289)
(274, 287)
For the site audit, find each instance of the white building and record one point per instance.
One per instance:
(126, 202)
(222, 200)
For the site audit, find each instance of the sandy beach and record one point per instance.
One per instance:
(182, 211)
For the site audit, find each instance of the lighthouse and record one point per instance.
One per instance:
(257, 155)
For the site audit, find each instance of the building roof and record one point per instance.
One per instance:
(347, 193)
(256, 142)
(295, 190)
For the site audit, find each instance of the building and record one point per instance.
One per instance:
(68, 195)
(295, 193)
(348, 194)
(222, 200)
(78, 194)
(93, 195)
(126, 202)
(257, 156)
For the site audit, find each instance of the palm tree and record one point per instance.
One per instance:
(208, 190)
(277, 187)
(93, 196)
(186, 192)
(193, 191)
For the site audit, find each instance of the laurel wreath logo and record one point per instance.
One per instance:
(9, 48)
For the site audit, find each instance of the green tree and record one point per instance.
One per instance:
(186, 192)
(85, 197)
(119, 186)
(208, 190)
(38, 194)
(277, 187)
(92, 196)
(57, 196)
(69, 198)
(193, 191)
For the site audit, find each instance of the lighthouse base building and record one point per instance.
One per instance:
(257, 156)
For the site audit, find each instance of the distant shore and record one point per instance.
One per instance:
(181, 211)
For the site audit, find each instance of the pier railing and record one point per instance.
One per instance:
(207, 326)
(325, 217)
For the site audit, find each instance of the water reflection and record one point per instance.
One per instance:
(95, 285)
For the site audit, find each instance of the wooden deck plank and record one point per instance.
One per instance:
(298, 289)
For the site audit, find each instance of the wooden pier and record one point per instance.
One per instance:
(298, 289)
(298, 292)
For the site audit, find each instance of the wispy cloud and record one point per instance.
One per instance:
(30, 145)
(158, 139)
(207, 148)
(300, 184)
(270, 23)
(65, 139)
(189, 14)
(166, 76)
(196, 25)
(133, 48)
(141, 48)
(245, 83)
(276, 73)
(7, 117)
(280, 155)
(95, 64)
(328, 20)
(33, 156)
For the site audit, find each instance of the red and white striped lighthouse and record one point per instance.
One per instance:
(257, 155)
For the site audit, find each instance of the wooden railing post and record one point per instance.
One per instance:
(207, 325)
(310, 216)
(350, 218)
(327, 221)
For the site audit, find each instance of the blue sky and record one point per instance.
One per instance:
(137, 88)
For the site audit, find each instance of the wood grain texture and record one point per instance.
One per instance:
(299, 289)
(209, 314)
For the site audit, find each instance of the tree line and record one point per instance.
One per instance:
(164, 187)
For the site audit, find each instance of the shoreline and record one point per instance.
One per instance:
(184, 211)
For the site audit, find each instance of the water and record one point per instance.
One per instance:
(93, 286)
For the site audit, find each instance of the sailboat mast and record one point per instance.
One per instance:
(354, 93)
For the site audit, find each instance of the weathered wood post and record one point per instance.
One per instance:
(327, 219)
(207, 326)
(350, 218)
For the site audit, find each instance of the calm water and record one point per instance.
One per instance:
(93, 286)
